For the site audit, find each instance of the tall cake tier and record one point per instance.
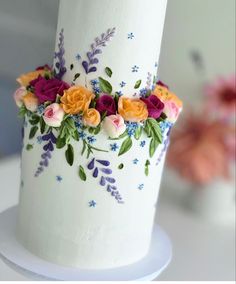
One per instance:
(122, 35)
(88, 196)
(66, 220)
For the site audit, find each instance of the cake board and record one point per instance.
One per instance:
(21, 260)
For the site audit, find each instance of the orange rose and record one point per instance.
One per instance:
(30, 101)
(25, 79)
(76, 99)
(165, 95)
(133, 110)
(91, 117)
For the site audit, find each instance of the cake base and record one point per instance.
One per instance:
(21, 260)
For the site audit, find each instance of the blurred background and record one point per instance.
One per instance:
(198, 50)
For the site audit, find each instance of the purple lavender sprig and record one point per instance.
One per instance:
(166, 144)
(105, 180)
(149, 81)
(46, 156)
(60, 68)
(96, 50)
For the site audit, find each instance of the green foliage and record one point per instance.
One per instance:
(153, 131)
(137, 84)
(33, 131)
(125, 146)
(82, 174)
(105, 86)
(70, 154)
(108, 71)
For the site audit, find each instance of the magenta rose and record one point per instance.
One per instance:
(154, 106)
(47, 90)
(160, 83)
(106, 104)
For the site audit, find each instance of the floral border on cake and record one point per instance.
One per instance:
(59, 113)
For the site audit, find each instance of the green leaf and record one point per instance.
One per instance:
(120, 137)
(146, 169)
(29, 147)
(33, 131)
(75, 135)
(108, 71)
(61, 142)
(137, 84)
(76, 76)
(71, 66)
(42, 125)
(138, 133)
(152, 147)
(22, 111)
(97, 129)
(121, 166)
(125, 146)
(82, 174)
(105, 86)
(70, 155)
(153, 129)
(34, 119)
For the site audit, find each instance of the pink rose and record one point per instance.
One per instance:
(114, 125)
(53, 115)
(172, 111)
(19, 94)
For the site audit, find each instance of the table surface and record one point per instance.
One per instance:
(201, 251)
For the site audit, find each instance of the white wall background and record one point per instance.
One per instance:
(27, 34)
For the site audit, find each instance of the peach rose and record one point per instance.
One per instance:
(133, 110)
(165, 95)
(76, 100)
(91, 117)
(25, 79)
(30, 101)
(18, 96)
(53, 115)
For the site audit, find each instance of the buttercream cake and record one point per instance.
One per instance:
(96, 129)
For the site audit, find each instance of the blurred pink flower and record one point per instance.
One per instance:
(221, 96)
(199, 150)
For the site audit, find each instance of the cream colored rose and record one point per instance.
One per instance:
(114, 125)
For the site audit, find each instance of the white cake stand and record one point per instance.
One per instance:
(21, 260)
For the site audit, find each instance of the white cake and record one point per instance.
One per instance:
(96, 209)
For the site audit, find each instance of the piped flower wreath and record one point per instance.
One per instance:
(57, 110)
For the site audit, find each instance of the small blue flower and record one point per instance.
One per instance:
(59, 178)
(119, 93)
(114, 147)
(165, 125)
(94, 82)
(131, 128)
(142, 143)
(130, 36)
(92, 203)
(135, 68)
(122, 84)
(39, 139)
(78, 57)
(40, 109)
(91, 139)
(135, 161)
(82, 135)
(141, 186)
(96, 90)
(143, 92)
